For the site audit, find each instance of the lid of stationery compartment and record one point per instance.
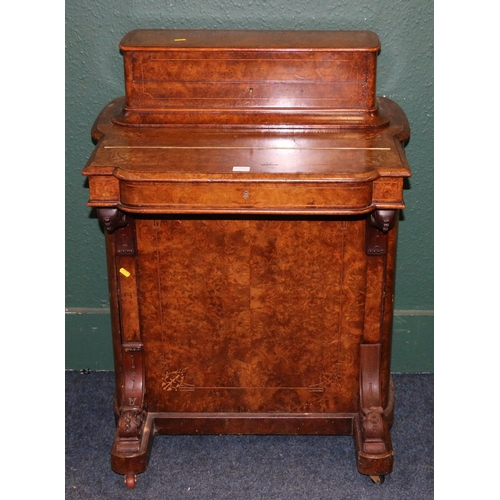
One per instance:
(158, 39)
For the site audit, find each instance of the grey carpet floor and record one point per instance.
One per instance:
(246, 467)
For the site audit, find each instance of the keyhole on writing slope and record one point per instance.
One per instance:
(246, 194)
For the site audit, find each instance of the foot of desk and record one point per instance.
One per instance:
(130, 455)
(373, 446)
(373, 423)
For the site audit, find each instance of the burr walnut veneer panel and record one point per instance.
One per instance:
(275, 314)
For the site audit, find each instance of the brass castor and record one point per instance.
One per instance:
(377, 479)
(130, 480)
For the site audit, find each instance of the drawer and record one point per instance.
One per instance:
(221, 196)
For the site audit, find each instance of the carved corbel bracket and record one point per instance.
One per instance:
(378, 224)
(111, 218)
(383, 219)
(121, 226)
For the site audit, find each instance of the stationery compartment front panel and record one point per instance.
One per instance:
(251, 79)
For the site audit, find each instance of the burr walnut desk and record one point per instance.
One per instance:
(249, 184)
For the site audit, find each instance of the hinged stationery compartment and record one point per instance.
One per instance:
(250, 77)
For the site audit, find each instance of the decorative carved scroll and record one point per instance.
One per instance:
(378, 225)
(373, 440)
(134, 432)
(370, 400)
(132, 410)
(130, 423)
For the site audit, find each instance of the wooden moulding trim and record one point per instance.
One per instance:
(254, 423)
(176, 209)
(97, 203)
(189, 209)
(319, 111)
(241, 178)
(251, 117)
(253, 40)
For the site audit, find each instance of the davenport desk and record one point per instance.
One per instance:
(250, 184)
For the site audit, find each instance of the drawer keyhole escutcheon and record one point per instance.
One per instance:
(246, 194)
